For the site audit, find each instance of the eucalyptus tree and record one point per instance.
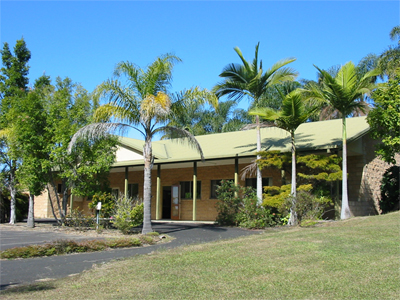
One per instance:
(250, 80)
(293, 113)
(342, 92)
(143, 105)
(69, 107)
(29, 139)
(13, 86)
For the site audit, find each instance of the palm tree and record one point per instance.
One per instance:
(343, 93)
(143, 105)
(389, 60)
(187, 110)
(250, 80)
(293, 113)
(225, 118)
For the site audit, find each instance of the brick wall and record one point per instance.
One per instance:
(205, 207)
(365, 175)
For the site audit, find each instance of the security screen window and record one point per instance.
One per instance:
(133, 190)
(252, 182)
(187, 190)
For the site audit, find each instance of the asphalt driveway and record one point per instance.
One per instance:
(22, 271)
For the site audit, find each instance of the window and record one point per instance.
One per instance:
(59, 188)
(187, 189)
(133, 190)
(115, 193)
(266, 181)
(214, 186)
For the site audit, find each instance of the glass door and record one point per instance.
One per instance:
(175, 202)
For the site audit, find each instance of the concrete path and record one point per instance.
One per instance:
(22, 271)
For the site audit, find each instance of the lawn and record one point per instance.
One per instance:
(354, 259)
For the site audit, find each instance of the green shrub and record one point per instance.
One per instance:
(79, 220)
(309, 206)
(228, 204)
(153, 233)
(251, 215)
(107, 204)
(390, 190)
(128, 213)
(238, 206)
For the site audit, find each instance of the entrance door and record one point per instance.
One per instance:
(175, 202)
(166, 202)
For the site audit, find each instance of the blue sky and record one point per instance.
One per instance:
(85, 39)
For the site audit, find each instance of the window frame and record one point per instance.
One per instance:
(183, 191)
(213, 187)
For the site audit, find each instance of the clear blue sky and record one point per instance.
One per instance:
(85, 39)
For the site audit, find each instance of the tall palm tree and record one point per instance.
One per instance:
(143, 105)
(293, 113)
(343, 92)
(250, 80)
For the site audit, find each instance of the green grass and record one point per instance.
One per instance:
(353, 259)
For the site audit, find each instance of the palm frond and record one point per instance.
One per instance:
(181, 136)
(249, 170)
(97, 130)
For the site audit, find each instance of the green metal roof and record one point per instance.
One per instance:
(309, 136)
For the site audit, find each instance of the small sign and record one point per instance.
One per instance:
(98, 207)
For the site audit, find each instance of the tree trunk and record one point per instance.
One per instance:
(51, 204)
(53, 185)
(345, 211)
(31, 218)
(293, 194)
(147, 153)
(259, 174)
(13, 195)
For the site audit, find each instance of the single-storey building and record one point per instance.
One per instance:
(178, 169)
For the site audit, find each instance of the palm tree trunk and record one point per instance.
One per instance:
(147, 186)
(345, 211)
(31, 220)
(259, 174)
(293, 214)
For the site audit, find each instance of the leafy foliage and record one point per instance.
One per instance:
(251, 214)
(228, 204)
(239, 206)
(128, 213)
(309, 206)
(389, 60)
(107, 204)
(390, 190)
(384, 119)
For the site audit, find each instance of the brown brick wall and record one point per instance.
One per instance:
(364, 181)
(205, 206)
